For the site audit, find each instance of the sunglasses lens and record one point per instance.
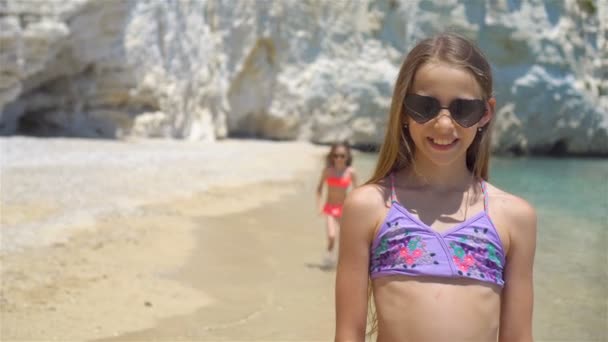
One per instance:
(467, 112)
(339, 156)
(421, 108)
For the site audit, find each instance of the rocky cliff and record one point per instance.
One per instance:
(317, 70)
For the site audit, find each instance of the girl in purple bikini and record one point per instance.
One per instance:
(434, 250)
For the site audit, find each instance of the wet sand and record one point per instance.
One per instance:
(262, 271)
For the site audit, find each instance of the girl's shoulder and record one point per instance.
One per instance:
(511, 213)
(507, 203)
(369, 197)
(364, 210)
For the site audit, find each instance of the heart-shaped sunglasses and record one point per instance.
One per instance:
(425, 108)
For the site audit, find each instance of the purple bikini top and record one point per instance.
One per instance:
(405, 245)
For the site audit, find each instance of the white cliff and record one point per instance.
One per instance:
(314, 70)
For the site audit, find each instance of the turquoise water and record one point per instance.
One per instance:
(571, 265)
(573, 186)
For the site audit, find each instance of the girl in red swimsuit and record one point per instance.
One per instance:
(339, 176)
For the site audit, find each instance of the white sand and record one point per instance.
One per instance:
(51, 186)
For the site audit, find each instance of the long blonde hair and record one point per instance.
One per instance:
(397, 150)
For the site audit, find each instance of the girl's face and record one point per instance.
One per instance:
(441, 139)
(339, 156)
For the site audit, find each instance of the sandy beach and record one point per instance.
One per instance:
(154, 240)
(161, 240)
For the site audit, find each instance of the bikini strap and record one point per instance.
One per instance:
(484, 190)
(393, 193)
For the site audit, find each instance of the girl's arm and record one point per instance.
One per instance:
(320, 190)
(517, 295)
(359, 220)
(353, 176)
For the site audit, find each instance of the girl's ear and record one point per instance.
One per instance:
(489, 113)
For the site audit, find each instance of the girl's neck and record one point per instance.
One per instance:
(426, 174)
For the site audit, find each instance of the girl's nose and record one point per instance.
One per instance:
(444, 120)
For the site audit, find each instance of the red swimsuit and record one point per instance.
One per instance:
(335, 210)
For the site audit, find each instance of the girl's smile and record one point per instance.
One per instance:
(442, 144)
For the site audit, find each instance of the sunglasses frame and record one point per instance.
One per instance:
(421, 118)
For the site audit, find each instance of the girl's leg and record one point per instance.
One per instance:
(336, 239)
(332, 242)
(332, 232)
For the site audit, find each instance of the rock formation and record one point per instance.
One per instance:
(317, 70)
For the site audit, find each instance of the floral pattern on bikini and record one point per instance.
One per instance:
(398, 249)
(476, 256)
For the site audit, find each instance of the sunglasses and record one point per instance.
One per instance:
(422, 109)
(338, 156)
